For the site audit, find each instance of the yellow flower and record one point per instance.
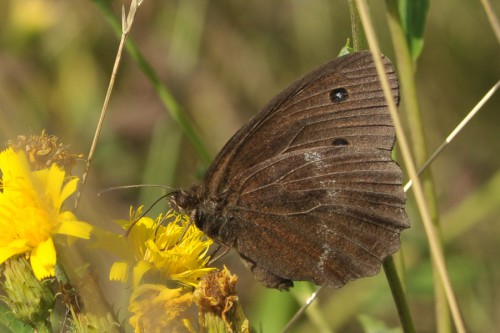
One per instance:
(177, 250)
(157, 308)
(30, 212)
(167, 249)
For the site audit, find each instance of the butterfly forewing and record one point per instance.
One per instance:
(303, 115)
(307, 189)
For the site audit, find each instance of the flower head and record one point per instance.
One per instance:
(31, 211)
(45, 150)
(218, 302)
(176, 251)
(167, 249)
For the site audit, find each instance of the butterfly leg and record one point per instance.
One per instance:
(216, 256)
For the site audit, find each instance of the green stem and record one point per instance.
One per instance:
(358, 34)
(359, 43)
(166, 98)
(413, 115)
(398, 294)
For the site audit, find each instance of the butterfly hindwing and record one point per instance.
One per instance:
(328, 215)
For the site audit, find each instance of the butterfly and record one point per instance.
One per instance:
(307, 189)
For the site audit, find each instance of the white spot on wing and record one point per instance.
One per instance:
(332, 193)
(316, 158)
(327, 251)
(324, 257)
(312, 156)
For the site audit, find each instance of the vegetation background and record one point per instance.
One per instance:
(222, 61)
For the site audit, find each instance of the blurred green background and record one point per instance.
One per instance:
(222, 61)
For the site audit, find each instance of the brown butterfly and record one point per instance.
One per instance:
(307, 189)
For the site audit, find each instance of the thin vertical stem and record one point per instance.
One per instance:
(126, 26)
(418, 191)
(398, 294)
(358, 35)
(359, 42)
(414, 117)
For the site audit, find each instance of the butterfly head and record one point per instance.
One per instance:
(184, 200)
(189, 201)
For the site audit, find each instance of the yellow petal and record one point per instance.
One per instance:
(139, 270)
(119, 271)
(68, 190)
(49, 183)
(112, 243)
(74, 228)
(12, 249)
(43, 259)
(13, 165)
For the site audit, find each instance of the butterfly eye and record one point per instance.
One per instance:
(340, 142)
(339, 95)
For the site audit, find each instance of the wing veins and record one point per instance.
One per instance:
(349, 240)
(341, 194)
(288, 173)
(359, 218)
(330, 103)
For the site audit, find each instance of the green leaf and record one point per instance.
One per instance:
(413, 15)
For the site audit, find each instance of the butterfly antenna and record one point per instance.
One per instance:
(122, 187)
(164, 218)
(158, 227)
(144, 214)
